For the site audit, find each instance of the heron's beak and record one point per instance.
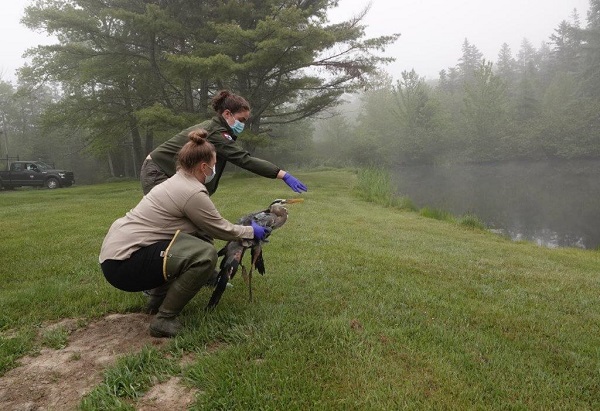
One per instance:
(294, 200)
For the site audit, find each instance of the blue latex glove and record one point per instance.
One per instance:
(260, 232)
(294, 183)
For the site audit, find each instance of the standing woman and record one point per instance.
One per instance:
(166, 240)
(223, 129)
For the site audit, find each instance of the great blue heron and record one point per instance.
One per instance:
(273, 217)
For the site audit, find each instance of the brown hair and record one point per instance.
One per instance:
(226, 100)
(195, 151)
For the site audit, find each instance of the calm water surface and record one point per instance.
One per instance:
(555, 204)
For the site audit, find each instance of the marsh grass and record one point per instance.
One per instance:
(374, 185)
(436, 214)
(363, 306)
(471, 221)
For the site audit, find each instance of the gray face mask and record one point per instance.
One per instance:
(209, 178)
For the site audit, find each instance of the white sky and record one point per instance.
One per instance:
(432, 30)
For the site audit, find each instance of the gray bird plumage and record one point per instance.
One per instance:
(233, 252)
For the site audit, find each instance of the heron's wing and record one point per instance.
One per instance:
(232, 258)
(257, 258)
(245, 220)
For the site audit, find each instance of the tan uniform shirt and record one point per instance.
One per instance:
(180, 203)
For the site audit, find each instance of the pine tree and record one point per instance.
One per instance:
(485, 113)
(590, 69)
(139, 65)
(470, 61)
(506, 68)
(566, 47)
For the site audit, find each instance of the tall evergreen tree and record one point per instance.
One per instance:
(417, 113)
(506, 68)
(590, 36)
(470, 61)
(485, 113)
(526, 58)
(130, 63)
(506, 64)
(375, 138)
(8, 114)
(21, 111)
(566, 47)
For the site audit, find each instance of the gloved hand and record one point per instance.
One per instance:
(260, 232)
(294, 183)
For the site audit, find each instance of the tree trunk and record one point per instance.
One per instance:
(255, 125)
(203, 108)
(134, 131)
(156, 74)
(111, 167)
(188, 95)
(149, 143)
(136, 147)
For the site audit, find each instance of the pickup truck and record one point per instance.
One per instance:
(34, 173)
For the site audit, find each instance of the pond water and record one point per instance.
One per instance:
(552, 203)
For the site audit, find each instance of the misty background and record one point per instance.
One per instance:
(506, 126)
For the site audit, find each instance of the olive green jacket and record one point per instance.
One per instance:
(221, 136)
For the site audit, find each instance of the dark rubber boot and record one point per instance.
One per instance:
(165, 324)
(155, 298)
(182, 289)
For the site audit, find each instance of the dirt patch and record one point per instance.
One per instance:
(170, 395)
(58, 379)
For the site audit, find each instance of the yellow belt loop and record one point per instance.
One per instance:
(167, 254)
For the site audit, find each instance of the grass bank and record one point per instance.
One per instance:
(363, 306)
(375, 185)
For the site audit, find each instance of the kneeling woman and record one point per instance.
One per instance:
(165, 242)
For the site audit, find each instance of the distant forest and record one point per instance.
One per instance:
(537, 103)
(125, 76)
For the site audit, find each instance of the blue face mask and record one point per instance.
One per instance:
(209, 178)
(237, 127)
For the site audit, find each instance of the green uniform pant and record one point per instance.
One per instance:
(151, 175)
(188, 264)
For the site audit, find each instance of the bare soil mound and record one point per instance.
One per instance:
(58, 379)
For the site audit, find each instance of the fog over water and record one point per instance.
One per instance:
(554, 203)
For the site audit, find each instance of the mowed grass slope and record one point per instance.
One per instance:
(362, 306)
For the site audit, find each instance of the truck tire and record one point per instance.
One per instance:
(52, 183)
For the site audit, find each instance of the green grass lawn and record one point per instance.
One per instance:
(363, 306)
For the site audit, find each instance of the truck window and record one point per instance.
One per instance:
(17, 167)
(42, 166)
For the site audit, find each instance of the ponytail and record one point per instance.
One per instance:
(226, 100)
